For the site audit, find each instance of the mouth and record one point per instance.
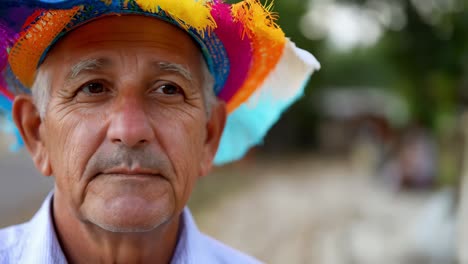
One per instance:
(131, 174)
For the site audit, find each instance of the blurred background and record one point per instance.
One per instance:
(368, 167)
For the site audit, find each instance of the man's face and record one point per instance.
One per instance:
(126, 132)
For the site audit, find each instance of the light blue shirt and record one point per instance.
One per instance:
(36, 242)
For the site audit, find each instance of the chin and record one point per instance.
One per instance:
(132, 214)
(115, 228)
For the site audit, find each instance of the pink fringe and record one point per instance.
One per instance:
(230, 33)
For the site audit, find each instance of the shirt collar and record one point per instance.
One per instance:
(190, 244)
(43, 246)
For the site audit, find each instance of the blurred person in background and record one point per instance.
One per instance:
(127, 104)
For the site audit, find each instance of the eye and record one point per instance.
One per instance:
(93, 88)
(169, 89)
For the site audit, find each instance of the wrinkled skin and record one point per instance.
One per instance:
(125, 140)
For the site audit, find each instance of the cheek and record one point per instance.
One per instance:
(73, 142)
(182, 139)
(183, 142)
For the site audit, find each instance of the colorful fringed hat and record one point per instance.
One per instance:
(258, 72)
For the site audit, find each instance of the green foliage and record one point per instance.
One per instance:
(429, 60)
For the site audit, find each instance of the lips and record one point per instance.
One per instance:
(131, 172)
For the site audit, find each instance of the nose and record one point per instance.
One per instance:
(129, 124)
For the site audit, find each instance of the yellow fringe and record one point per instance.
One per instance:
(258, 19)
(188, 13)
(107, 2)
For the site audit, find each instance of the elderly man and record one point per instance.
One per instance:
(128, 104)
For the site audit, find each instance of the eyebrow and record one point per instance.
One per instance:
(87, 65)
(96, 64)
(174, 67)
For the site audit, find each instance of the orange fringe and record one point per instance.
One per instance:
(268, 42)
(25, 54)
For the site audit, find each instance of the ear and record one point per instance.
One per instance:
(29, 123)
(214, 128)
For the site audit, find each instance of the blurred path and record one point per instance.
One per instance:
(316, 211)
(22, 188)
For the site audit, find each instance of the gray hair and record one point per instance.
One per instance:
(208, 88)
(41, 89)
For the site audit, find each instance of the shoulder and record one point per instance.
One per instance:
(222, 253)
(12, 240)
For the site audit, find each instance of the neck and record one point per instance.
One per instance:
(84, 242)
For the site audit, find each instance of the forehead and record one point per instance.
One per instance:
(127, 34)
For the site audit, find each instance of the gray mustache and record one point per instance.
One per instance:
(124, 157)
